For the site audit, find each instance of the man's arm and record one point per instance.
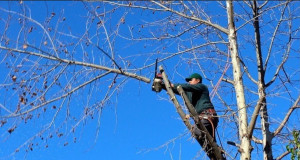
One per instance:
(173, 88)
(190, 88)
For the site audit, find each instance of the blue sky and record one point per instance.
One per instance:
(136, 124)
(132, 127)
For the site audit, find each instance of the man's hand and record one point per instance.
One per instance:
(158, 75)
(187, 116)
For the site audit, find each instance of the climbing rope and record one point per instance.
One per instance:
(214, 91)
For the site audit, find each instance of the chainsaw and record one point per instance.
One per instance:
(157, 81)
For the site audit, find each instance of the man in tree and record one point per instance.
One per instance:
(198, 96)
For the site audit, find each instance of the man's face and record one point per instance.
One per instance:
(194, 81)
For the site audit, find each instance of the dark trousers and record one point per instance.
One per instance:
(210, 126)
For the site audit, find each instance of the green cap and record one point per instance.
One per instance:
(194, 75)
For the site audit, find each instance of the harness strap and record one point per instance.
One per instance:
(213, 127)
(208, 115)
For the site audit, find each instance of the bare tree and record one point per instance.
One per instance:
(47, 69)
(246, 50)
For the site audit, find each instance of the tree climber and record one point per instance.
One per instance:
(198, 95)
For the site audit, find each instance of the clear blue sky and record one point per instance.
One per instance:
(137, 124)
(133, 127)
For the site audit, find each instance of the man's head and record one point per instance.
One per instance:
(194, 78)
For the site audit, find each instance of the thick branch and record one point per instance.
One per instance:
(254, 116)
(128, 74)
(174, 99)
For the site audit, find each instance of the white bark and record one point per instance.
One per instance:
(245, 147)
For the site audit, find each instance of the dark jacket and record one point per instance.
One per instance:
(198, 95)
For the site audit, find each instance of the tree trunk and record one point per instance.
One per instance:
(245, 147)
(267, 136)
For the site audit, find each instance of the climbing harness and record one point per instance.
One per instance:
(211, 116)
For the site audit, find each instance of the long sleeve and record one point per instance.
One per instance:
(173, 88)
(191, 88)
(198, 95)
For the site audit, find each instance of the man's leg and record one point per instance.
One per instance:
(207, 124)
(204, 141)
